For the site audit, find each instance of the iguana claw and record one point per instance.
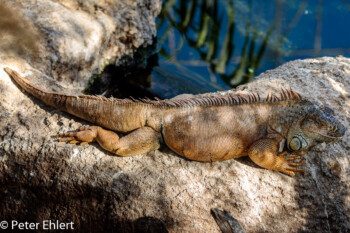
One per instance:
(82, 135)
(289, 165)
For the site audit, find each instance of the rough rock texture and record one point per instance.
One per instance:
(43, 179)
(71, 39)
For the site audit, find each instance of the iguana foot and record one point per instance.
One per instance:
(82, 135)
(263, 153)
(289, 165)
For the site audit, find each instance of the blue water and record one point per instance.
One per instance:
(299, 29)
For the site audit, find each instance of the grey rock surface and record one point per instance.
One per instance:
(72, 39)
(41, 178)
(44, 179)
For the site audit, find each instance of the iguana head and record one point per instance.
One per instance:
(318, 125)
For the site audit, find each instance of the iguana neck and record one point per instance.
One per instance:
(288, 114)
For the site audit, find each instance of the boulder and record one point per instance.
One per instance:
(42, 179)
(71, 39)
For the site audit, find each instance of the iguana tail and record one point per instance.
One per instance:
(122, 115)
(53, 99)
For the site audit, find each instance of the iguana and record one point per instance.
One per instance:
(201, 128)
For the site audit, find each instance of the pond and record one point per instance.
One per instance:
(210, 45)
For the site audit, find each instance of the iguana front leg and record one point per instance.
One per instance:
(263, 153)
(139, 141)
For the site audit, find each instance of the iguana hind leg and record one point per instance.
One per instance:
(263, 153)
(139, 141)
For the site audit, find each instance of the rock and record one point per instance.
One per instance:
(70, 40)
(97, 191)
(226, 222)
(42, 179)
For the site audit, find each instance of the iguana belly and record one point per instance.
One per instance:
(206, 148)
(210, 136)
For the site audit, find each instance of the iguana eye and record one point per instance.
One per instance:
(295, 144)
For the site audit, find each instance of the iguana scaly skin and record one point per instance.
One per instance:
(201, 128)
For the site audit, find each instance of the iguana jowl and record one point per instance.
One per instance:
(201, 128)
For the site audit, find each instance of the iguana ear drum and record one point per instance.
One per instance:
(298, 142)
(295, 144)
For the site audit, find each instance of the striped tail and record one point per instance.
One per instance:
(122, 115)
